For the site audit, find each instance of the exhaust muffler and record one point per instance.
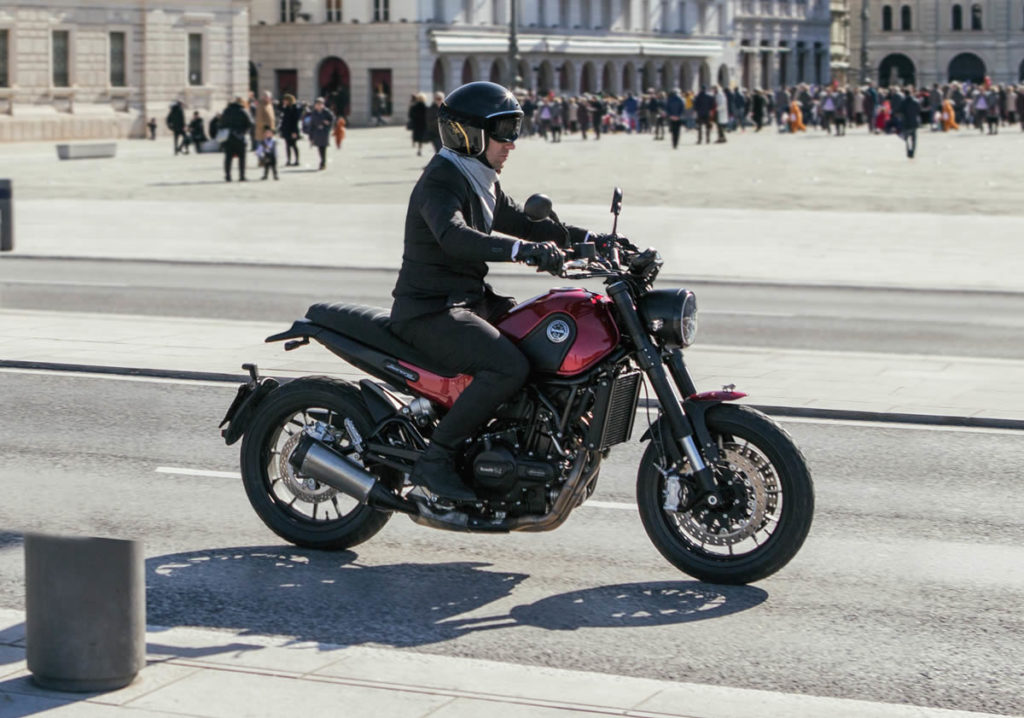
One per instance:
(319, 461)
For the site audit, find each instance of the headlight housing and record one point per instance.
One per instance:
(670, 315)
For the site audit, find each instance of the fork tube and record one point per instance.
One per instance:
(650, 361)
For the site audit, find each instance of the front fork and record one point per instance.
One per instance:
(686, 430)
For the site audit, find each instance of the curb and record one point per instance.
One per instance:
(874, 417)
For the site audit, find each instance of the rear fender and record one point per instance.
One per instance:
(247, 400)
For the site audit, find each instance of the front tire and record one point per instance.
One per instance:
(765, 518)
(297, 508)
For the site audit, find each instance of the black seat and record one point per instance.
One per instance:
(370, 326)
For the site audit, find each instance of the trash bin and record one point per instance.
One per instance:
(6, 217)
(85, 612)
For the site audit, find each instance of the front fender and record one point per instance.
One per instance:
(695, 407)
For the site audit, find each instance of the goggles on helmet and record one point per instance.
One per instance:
(504, 127)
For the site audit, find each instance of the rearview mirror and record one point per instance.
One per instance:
(617, 201)
(537, 207)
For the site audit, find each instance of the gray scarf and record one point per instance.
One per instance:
(481, 178)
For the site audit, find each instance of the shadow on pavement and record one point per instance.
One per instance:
(32, 700)
(331, 598)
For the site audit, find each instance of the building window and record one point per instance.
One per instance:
(381, 10)
(195, 58)
(682, 17)
(585, 19)
(976, 16)
(439, 11)
(289, 8)
(905, 18)
(5, 78)
(117, 59)
(334, 11)
(958, 17)
(563, 13)
(61, 41)
(887, 18)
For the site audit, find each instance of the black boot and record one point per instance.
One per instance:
(436, 470)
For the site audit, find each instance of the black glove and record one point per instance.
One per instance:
(545, 256)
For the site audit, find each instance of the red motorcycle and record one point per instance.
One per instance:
(722, 490)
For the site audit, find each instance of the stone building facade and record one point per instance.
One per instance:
(928, 41)
(782, 42)
(360, 50)
(839, 42)
(101, 69)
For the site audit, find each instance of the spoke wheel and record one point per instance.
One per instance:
(298, 508)
(766, 509)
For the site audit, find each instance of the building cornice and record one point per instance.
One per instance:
(463, 42)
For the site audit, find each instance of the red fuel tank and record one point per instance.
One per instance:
(563, 332)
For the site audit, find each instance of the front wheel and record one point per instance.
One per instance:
(765, 514)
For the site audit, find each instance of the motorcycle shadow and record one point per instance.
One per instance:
(331, 598)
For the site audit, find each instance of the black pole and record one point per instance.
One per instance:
(6, 216)
(513, 44)
(865, 24)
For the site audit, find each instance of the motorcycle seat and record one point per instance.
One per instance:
(370, 326)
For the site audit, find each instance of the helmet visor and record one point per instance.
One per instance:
(504, 128)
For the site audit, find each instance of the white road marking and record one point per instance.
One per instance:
(182, 471)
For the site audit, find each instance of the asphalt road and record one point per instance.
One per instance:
(801, 317)
(908, 589)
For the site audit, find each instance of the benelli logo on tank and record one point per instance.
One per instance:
(558, 331)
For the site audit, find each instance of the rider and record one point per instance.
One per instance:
(442, 305)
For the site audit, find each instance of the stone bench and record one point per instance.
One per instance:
(85, 151)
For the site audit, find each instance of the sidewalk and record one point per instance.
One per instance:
(221, 674)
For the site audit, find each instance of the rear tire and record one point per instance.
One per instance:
(765, 522)
(296, 508)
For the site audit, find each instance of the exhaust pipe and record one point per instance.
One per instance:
(321, 462)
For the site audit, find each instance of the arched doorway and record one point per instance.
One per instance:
(685, 77)
(897, 70)
(545, 78)
(567, 78)
(666, 76)
(468, 71)
(723, 76)
(498, 72)
(608, 78)
(440, 76)
(587, 79)
(967, 66)
(650, 74)
(705, 74)
(628, 74)
(525, 77)
(335, 85)
(1020, 72)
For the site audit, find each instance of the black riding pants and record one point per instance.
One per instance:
(461, 339)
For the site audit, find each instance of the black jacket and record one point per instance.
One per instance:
(444, 261)
(910, 113)
(237, 119)
(290, 118)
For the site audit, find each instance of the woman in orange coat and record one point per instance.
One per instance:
(948, 116)
(339, 131)
(796, 118)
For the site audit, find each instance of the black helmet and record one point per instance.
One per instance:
(474, 112)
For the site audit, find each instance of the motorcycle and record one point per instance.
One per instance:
(723, 492)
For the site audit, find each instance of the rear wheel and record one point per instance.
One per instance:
(297, 508)
(765, 514)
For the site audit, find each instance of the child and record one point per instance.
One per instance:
(339, 132)
(152, 128)
(267, 152)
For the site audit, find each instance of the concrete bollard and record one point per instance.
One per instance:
(85, 612)
(6, 216)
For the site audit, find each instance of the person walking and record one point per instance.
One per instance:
(266, 151)
(721, 113)
(320, 123)
(291, 115)
(992, 113)
(339, 131)
(176, 124)
(264, 118)
(418, 121)
(841, 111)
(152, 128)
(583, 115)
(704, 106)
(759, 105)
(238, 122)
(796, 117)
(910, 120)
(675, 106)
(949, 115)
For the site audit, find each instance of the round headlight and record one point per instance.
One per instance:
(670, 315)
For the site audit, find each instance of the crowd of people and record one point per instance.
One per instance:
(255, 124)
(717, 110)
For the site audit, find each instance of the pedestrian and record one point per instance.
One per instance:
(910, 120)
(796, 117)
(841, 111)
(758, 103)
(992, 114)
(583, 115)
(152, 128)
(556, 119)
(1020, 106)
(266, 151)
(380, 106)
(237, 121)
(339, 132)
(291, 116)
(176, 124)
(721, 113)
(828, 111)
(432, 134)
(197, 131)
(675, 106)
(320, 123)
(215, 126)
(264, 118)
(704, 106)
(418, 121)
(949, 115)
